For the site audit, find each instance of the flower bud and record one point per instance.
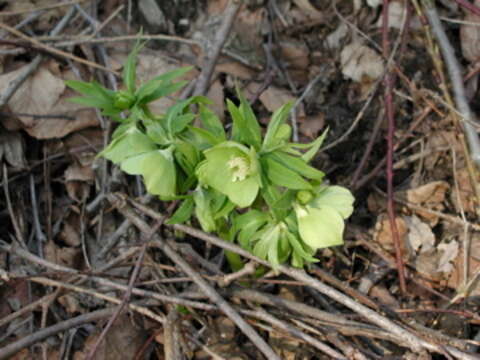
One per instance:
(124, 100)
(304, 196)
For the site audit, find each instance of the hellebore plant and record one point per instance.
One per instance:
(254, 188)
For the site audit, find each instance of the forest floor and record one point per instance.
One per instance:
(400, 107)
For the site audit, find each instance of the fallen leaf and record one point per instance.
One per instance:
(420, 236)
(310, 10)
(396, 14)
(310, 126)
(334, 39)
(361, 63)
(463, 197)
(456, 280)
(12, 149)
(295, 54)
(431, 196)
(383, 234)
(449, 253)
(43, 96)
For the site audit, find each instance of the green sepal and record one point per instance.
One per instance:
(281, 175)
(183, 213)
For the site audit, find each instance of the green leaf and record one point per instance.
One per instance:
(92, 89)
(131, 143)
(92, 102)
(156, 132)
(267, 246)
(299, 249)
(203, 211)
(320, 227)
(161, 85)
(129, 69)
(183, 213)
(159, 173)
(250, 120)
(212, 123)
(280, 175)
(308, 156)
(335, 197)
(248, 224)
(244, 130)
(279, 117)
(187, 156)
(297, 165)
(173, 118)
(206, 138)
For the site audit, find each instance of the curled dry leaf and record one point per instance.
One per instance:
(383, 234)
(431, 196)
(420, 236)
(463, 196)
(361, 63)
(12, 149)
(470, 35)
(396, 16)
(44, 96)
(456, 280)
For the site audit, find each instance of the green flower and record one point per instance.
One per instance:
(124, 100)
(321, 220)
(233, 170)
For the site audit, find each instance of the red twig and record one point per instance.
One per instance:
(388, 81)
(469, 6)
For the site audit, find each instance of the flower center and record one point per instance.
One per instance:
(240, 168)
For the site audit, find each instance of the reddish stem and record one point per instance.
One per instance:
(388, 82)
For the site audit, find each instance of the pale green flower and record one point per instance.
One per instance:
(233, 170)
(321, 220)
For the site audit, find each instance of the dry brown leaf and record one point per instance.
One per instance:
(449, 253)
(273, 97)
(456, 281)
(361, 63)
(71, 304)
(420, 236)
(383, 233)
(308, 9)
(66, 256)
(235, 69)
(295, 53)
(432, 196)
(396, 14)
(70, 235)
(12, 149)
(310, 126)
(464, 198)
(45, 94)
(470, 35)
(122, 342)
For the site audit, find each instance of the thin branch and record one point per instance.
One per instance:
(211, 55)
(455, 72)
(11, 349)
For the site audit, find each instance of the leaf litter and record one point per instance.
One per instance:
(273, 51)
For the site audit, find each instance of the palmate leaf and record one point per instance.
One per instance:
(281, 175)
(131, 142)
(212, 123)
(183, 213)
(273, 137)
(130, 68)
(335, 197)
(297, 165)
(320, 227)
(158, 170)
(203, 211)
(161, 85)
(245, 127)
